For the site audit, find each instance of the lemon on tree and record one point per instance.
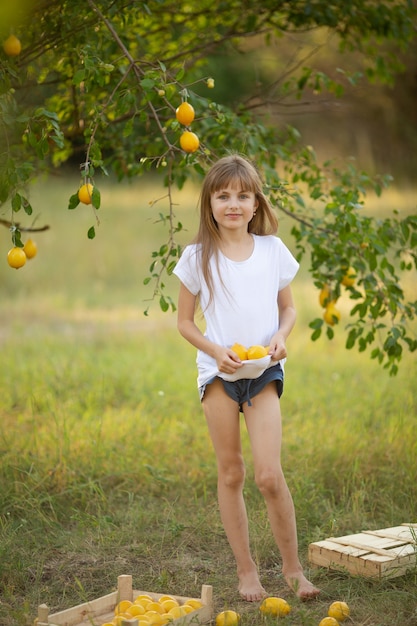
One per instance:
(331, 314)
(339, 610)
(85, 193)
(227, 618)
(30, 249)
(189, 141)
(12, 46)
(278, 607)
(185, 113)
(349, 277)
(16, 257)
(324, 295)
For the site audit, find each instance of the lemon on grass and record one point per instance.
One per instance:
(227, 618)
(329, 621)
(275, 606)
(12, 46)
(85, 193)
(257, 352)
(16, 257)
(189, 141)
(339, 610)
(185, 113)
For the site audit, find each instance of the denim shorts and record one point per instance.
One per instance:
(246, 388)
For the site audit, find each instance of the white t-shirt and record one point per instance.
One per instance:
(244, 308)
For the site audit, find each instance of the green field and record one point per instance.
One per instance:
(106, 466)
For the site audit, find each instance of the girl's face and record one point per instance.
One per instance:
(233, 207)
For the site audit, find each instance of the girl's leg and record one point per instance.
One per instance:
(222, 415)
(263, 421)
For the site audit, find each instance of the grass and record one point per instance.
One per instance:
(105, 463)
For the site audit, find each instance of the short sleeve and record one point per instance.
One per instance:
(288, 266)
(187, 269)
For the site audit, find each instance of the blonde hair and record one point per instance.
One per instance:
(239, 171)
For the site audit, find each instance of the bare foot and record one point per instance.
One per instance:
(301, 586)
(250, 588)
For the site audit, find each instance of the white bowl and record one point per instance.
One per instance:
(252, 368)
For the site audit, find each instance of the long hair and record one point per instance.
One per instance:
(237, 170)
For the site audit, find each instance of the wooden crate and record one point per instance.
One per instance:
(101, 610)
(388, 552)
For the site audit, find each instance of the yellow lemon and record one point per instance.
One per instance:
(187, 607)
(122, 606)
(16, 257)
(30, 249)
(155, 606)
(257, 352)
(12, 46)
(349, 278)
(195, 603)
(167, 597)
(135, 609)
(143, 597)
(121, 618)
(189, 141)
(240, 350)
(275, 606)
(227, 618)
(324, 295)
(169, 604)
(331, 314)
(85, 193)
(177, 611)
(156, 619)
(185, 114)
(339, 610)
(329, 621)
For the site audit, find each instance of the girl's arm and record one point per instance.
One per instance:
(227, 361)
(287, 316)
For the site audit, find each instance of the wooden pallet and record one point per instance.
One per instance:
(388, 552)
(101, 610)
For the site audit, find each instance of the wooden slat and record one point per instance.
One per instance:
(362, 546)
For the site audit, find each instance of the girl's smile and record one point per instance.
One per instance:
(233, 206)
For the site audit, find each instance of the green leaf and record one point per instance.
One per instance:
(96, 198)
(78, 77)
(73, 202)
(91, 232)
(16, 202)
(163, 304)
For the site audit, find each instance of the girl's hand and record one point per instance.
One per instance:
(227, 360)
(277, 348)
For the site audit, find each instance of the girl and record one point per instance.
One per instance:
(240, 275)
